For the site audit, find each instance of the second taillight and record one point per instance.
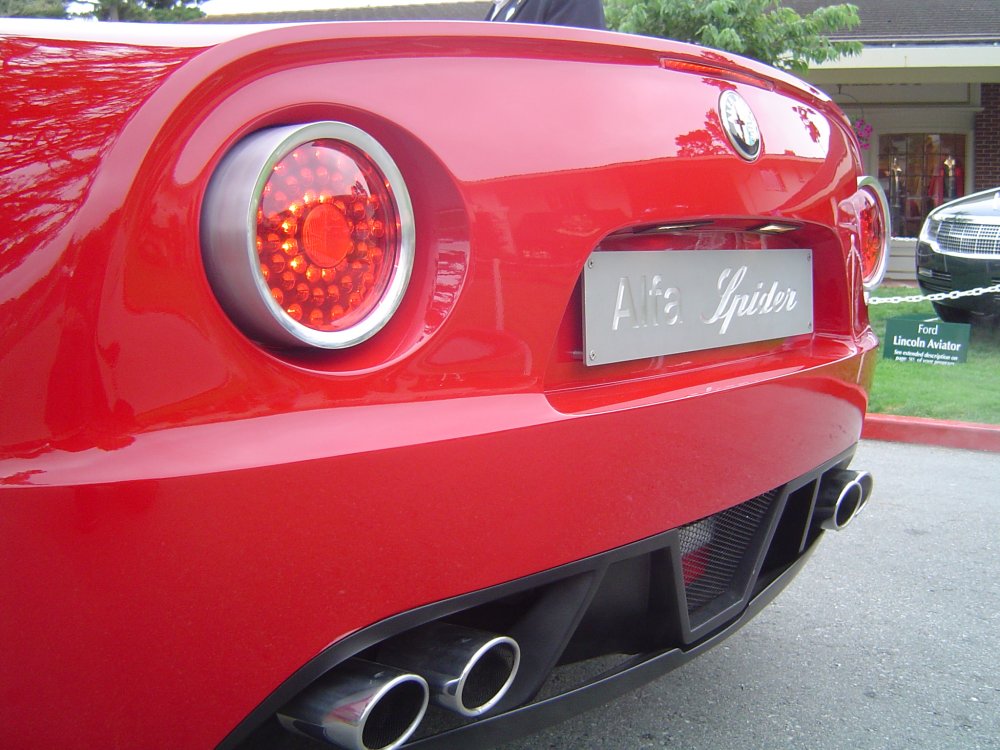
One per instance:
(867, 212)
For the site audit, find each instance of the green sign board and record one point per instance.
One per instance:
(912, 338)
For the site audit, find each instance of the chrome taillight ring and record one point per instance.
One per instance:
(229, 237)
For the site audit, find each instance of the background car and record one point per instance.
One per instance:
(959, 249)
(358, 378)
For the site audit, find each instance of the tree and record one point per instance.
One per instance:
(762, 29)
(175, 10)
(143, 10)
(32, 9)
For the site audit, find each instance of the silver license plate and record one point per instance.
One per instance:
(648, 304)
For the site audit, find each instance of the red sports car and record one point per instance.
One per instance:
(358, 378)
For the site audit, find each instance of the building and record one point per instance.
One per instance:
(925, 97)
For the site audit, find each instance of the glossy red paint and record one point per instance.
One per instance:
(187, 517)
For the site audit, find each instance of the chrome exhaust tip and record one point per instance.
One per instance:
(842, 495)
(359, 705)
(468, 671)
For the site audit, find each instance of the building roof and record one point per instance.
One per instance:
(883, 22)
(917, 21)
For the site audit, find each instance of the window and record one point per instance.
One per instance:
(920, 171)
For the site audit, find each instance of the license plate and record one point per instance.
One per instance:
(649, 304)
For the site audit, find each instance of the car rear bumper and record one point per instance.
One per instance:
(230, 555)
(662, 601)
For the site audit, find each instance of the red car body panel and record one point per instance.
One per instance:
(187, 517)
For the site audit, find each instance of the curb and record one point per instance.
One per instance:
(945, 433)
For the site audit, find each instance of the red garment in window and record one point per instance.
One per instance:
(937, 189)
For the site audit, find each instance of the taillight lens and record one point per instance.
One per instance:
(872, 214)
(307, 234)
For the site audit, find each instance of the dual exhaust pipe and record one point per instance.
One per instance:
(364, 705)
(842, 495)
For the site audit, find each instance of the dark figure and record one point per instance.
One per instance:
(585, 13)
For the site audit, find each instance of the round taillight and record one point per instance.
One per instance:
(307, 235)
(872, 210)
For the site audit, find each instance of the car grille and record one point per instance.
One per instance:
(719, 547)
(974, 239)
(936, 282)
(926, 273)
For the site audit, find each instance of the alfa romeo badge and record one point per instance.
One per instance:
(740, 125)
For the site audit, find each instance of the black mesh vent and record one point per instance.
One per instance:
(714, 549)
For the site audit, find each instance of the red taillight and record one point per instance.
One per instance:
(322, 237)
(868, 213)
(308, 235)
(872, 235)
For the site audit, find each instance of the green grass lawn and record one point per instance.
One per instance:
(969, 392)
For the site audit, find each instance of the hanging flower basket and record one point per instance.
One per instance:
(863, 131)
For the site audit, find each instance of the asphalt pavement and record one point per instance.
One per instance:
(890, 638)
